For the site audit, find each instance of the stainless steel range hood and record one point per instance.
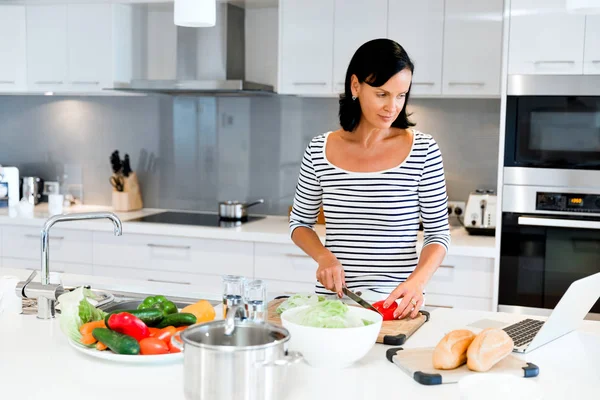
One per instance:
(210, 61)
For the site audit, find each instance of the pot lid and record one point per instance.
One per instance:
(248, 335)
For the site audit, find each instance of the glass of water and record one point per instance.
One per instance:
(233, 292)
(255, 299)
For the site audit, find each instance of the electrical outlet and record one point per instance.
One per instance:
(456, 208)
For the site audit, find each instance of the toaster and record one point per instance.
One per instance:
(480, 213)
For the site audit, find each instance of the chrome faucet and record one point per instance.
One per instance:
(45, 292)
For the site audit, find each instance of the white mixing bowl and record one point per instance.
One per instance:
(333, 347)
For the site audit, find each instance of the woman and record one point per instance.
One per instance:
(374, 177)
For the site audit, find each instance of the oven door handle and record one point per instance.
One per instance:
(559, 223)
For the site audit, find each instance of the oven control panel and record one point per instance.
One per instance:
(568, 202)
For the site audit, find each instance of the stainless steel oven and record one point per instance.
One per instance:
(550, 232)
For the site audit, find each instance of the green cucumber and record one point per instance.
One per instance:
(151, 317)
(117, 342)
(177, 320)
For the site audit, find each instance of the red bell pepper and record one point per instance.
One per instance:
(128, 324)
(388, 313)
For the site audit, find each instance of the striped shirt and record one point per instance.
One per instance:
(372, 218)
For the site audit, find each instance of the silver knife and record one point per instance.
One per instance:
(359, 299)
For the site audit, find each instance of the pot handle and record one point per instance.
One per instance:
(292, 357)
(176, 341)
(259, 201)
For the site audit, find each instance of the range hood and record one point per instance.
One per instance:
(210, 61)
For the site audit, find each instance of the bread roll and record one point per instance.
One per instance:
(451, 351)
(488, 348)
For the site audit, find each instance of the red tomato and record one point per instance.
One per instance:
(388, 313)
(153, 345)
(165, 334)
(173, 349)
(153, 331)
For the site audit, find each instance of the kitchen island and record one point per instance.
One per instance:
(37, 362)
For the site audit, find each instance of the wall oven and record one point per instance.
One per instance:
(551, 191)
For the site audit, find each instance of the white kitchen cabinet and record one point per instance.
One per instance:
(174, 254)
(463, 276)
(90, 38)
(349, 35)
(13, 64)
(55, 266)
(418, 27)
(591, 56)
(209, 283)
(472, 47)
(284, 262)
(306, 47)
(545, 38)
(47, 47)
(458, 302)
(78, 48)
(66, 245)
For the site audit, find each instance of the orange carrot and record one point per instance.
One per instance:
(101, 346)
(88, 339)
(86, 329)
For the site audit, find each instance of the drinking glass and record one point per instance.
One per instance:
(255, 299)
(233, 292)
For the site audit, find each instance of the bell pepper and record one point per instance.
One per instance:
(160, 303)
(387, 313)
(128, 324)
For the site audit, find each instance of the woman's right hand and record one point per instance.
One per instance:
(331, 273)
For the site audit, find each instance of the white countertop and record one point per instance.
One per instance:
(272, 229)
(36, 362)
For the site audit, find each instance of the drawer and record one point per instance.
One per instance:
(458, 302)
(0, 245)
(463, 276)
(276, 287)
(66, 245)
(207, 283)
(175, 254)
(284, 263)
(60, 267)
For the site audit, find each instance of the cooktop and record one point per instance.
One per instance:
(199, 219)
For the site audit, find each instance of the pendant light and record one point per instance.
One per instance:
(583, 6)
(195, 13)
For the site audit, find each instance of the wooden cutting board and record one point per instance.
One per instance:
(394, 333)
(418, 363)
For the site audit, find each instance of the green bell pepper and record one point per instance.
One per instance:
(160, 303)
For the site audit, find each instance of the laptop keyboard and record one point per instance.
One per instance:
(524, 331)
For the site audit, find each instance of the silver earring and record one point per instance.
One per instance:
(354, 98)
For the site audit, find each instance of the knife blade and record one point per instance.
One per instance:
(359, 299)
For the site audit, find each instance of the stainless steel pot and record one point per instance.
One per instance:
(234, 210)
(235, 360)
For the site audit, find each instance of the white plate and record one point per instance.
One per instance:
(127, 359)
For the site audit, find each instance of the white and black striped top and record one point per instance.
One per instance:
(372, 218)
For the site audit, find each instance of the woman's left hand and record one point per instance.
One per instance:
(412, 299)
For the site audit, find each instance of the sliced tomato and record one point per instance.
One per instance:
(388, 313)
(173, 349)
(152, 345)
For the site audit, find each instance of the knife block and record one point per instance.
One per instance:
(130, 199)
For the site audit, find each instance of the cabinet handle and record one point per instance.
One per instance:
(30, 236)
(167, 246)
(163, 281)
(553, 62)
(85, 82)
(466, 83)
(11, 82)
(309, 83)
(59, 271)
(424, 83)
(438, 306)
(447, 266)
(48, 82)
(595, 61)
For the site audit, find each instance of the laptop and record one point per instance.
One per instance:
(580, 297)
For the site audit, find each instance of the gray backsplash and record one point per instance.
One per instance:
(191, 152)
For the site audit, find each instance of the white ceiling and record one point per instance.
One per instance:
(241, 3)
